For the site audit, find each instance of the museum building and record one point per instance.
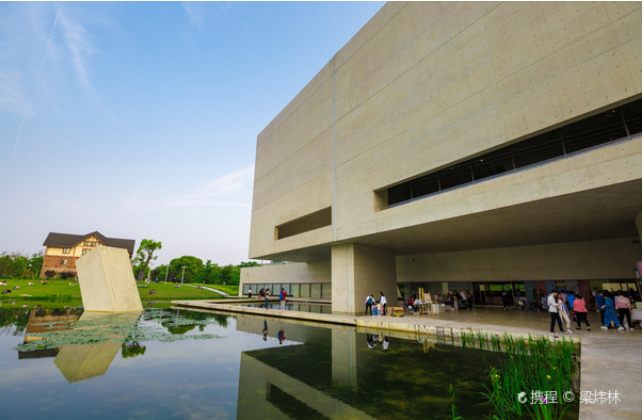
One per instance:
(476, 146)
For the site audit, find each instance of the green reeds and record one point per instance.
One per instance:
(537, 370)
(530, 374)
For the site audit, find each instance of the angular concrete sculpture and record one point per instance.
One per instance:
(106, 281)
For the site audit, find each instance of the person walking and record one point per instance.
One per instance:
(581, 312)
(383, 302)
(599, 300)
(282, 299)
(563, 312)
(609, 313)
(554, 312)
(250, 293)
(623, 306)
(368, 304)
(506, 300)
(267, 294)
(464, 300)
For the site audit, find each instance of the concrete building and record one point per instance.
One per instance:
(64, 249)
(459, 145)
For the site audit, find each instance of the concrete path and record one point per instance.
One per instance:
(208, 288)
(610, 360)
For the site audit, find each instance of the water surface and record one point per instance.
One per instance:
(168, 364)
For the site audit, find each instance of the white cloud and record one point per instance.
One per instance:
(193, 10)
(78, 44)
(233, 190)
(12, 94)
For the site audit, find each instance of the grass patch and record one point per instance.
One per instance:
(57, 292)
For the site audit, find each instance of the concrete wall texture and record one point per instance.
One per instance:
(425, 85)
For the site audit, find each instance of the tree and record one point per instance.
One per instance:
(248, 264)
(35, 264)
(209, 274)
(159, 272)
(20, 266)
(6, 265)
(145, 254)
(193, 266)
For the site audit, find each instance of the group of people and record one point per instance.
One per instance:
(610, 305)
(376, 308)
(566, 306)
(374, 339)
(266, 294)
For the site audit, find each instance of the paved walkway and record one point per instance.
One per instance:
(208, 288)
(610, 360)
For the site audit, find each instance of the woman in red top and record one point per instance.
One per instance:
(579, 307)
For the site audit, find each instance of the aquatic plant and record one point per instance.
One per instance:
(537, 369)
(529, 373)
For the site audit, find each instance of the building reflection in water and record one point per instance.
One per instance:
(79, 362)
(337, 373)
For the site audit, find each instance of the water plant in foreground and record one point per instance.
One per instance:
(530, 379)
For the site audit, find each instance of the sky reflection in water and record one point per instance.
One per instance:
(188, 365)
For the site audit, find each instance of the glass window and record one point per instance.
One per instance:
(492, 164)
(305, 290)
(66, 250)
(295, 290)
(316, 290)
(399, 193)
(64, 262)
(538, 149)
(424, 186)
(326, 290)
(455, 175)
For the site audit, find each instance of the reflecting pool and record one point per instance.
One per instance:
(169, 364)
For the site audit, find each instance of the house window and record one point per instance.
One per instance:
(64, 262)
(66, 250)
(85, 251)
(88, 243)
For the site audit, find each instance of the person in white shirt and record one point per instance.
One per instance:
(553, 309)
(383, 302)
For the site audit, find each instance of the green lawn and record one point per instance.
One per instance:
(64, 292)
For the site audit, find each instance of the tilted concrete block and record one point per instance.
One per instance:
(106, 281)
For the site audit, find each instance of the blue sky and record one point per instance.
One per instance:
(140, 120)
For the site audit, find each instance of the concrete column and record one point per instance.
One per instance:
(344, 368)
(360, 270)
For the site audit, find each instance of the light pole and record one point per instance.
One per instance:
(182, 273)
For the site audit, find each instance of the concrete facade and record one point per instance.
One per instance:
(427, 85)
(106, 281)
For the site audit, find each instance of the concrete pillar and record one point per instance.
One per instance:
(361, 270)
(343, 354)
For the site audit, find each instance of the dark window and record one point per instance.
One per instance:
(633, 115)
(538, 149)
(399, 193)
(592, 131)
(306, 223)
(455, 175)
(492, 164)
(424, 186)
